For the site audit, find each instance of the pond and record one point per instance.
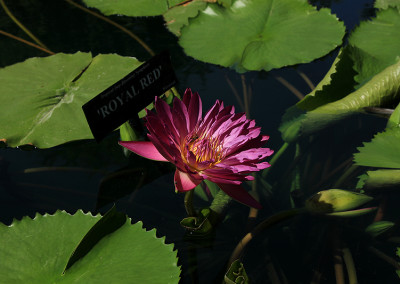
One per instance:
(321, 139)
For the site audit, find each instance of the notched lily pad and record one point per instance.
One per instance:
(42, 98)
(383, 151)
(37, 251)
(369, 55)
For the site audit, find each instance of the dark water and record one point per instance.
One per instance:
(64, 28)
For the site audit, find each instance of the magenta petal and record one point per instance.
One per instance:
(239, 194)
(143, 148)
(184, 182)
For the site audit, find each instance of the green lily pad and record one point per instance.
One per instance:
(384, 4)
(129, 8)
(42, 98)
(394, 119)
(383, 151)
(370, 55)
(261, 34)
(381, 90)
(37, 251)
(178, 16)
(337, 83)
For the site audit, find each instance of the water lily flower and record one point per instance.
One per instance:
(223, 146)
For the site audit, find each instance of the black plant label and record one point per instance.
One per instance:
(123, 100)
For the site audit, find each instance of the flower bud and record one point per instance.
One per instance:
(335, 200)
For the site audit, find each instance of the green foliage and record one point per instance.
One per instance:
(382, 178)
(335, 200)
(236, 274)
(47, 95)
(337, 83)
(384, 4)
(202, 225)
(378, 228)
(394, 119)
(178, 17)
(249, 36)
(129, 8)
(36, 251)
(381, 90)
(370, 55)
(383, 151)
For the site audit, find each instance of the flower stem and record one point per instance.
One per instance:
(274, 219)
(188, 201)
(221, 200)
(275, 157)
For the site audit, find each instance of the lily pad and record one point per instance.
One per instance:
(37, 251)
(178, 16)
(383, 151)
(384, 4)
(370, 55)
(261, 34)
(381, 90)
(337, 83)
(42, 98)
(129, 8)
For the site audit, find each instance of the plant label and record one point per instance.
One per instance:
(123, 100)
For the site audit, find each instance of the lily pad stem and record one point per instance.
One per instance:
(350, 267)
(132, 35)
(15, 20)
(26, 42)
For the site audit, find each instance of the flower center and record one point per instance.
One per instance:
(207, 151)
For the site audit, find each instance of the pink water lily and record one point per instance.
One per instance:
(223, 147)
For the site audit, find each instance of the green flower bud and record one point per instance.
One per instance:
(335, 200)
(377, 228)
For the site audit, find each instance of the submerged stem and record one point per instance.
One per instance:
(290, 87)
(26, 42)
(132, 35)
(245, 97)
(15, 20)
(272, 220)
(235, 92)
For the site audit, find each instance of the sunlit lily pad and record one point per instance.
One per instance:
(42, 98)
(37, 251)
(178, 16)
(261, 34)
(371, 56)
(383, 151)
(337, 83)
(129, 8)
(381, 90)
